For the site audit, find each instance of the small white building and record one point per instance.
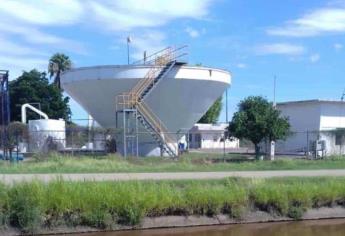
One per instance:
(318, 126)
(210, 136)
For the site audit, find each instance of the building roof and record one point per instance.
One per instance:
(210, 127)
(311, 101)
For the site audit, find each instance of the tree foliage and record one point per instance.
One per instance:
(211, 116)
(257, 120)
(34, 87)
(58, 63)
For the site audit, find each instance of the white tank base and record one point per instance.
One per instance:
(41, 130)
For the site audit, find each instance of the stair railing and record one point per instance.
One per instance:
(156, 124)
(131, 99)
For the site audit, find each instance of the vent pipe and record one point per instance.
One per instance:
(27, 105)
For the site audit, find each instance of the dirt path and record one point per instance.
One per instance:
(11, 178)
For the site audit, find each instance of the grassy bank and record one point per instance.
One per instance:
(29, 206)
(189, 162)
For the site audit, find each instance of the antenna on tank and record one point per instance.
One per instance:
(343, 96)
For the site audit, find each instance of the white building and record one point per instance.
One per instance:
(210, 136)
(312, 121)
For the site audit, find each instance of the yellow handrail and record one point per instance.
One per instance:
(153, 119)
(130, 99)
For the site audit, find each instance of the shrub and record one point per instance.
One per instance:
(25, 206)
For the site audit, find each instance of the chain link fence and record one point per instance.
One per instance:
(84, 140)
(315, 144)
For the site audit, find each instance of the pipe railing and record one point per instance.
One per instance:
(27, 105)
(173, 52)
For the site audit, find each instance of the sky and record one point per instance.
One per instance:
(301, 43)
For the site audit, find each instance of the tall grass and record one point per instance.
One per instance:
(30, 206)
(56, 163)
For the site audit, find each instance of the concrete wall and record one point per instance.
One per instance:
(331, 147)
(332, 116)
(311, 121)
(304, 118)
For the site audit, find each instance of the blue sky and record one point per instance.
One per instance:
(301, 42)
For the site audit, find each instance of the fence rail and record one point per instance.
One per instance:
(81, 139)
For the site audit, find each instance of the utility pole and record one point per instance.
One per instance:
(129, 40)
(274, 91)
(272, 142)
(226, 106)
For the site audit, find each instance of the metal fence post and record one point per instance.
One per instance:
(224, 138)
(307, 153)
(72, 146)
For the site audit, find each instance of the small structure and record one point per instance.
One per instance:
(318, 127)
(211, 136)
(45, 134)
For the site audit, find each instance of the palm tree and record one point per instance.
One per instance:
(58, 63)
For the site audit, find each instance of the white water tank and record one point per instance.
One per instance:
(47, 132)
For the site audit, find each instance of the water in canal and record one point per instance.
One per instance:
(302, 228)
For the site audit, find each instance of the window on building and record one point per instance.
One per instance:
(339, 139)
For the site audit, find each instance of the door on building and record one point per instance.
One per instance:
(197, 139)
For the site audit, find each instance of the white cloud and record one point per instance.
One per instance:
(34, 36)
(45, 12)
(149, 41)
(17, 64)
(26, 21)
(338, 46)
(126, 15)
(316, 22)
(113, 15)
(241, 65)
(194, 33)
(280, 48)
(11, 48)
(314, 57)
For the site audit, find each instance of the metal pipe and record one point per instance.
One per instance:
(27, 105)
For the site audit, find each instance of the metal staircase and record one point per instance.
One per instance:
(162, 63)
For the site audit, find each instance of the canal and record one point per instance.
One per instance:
(301, 228)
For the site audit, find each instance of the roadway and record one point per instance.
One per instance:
(12, 178)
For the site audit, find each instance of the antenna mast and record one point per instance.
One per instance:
(274, 91)
(343, 96)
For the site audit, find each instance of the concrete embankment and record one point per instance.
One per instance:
(193, 220)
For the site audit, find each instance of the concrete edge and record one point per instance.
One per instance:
(195, 220)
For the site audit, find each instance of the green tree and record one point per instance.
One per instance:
(34, 87)
(257, 120)
(211, 116)
(58, 63)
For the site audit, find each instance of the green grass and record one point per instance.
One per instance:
(105, 205)
(190, 162)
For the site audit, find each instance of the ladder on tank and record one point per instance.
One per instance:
(132, 102)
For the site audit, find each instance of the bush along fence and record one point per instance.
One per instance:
(83, 140)
(108, 205)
